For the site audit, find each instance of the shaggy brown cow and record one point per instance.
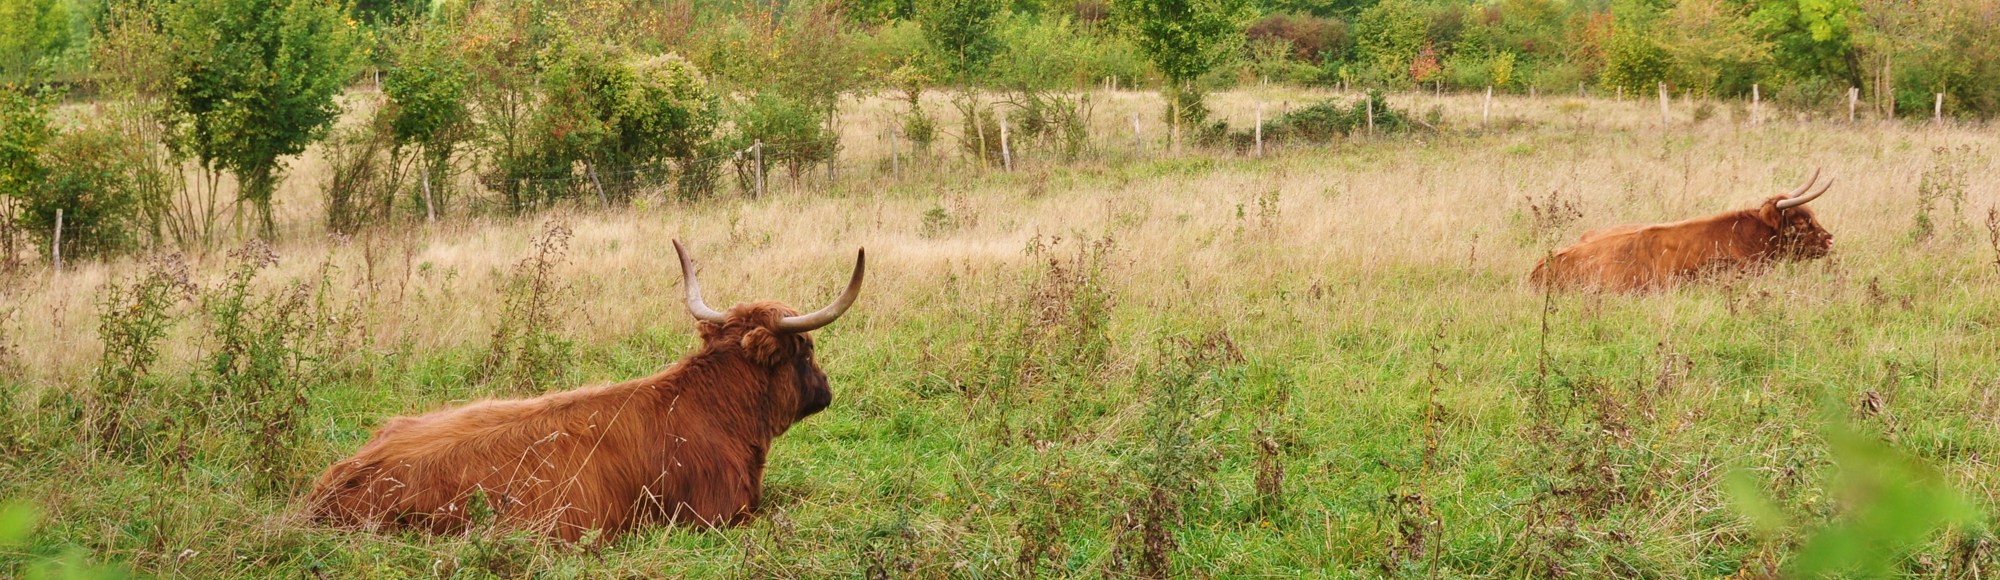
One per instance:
(684, 445)
(1643, 256)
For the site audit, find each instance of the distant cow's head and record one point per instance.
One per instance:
(771, 337)
(1799, 235)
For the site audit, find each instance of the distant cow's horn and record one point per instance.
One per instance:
(699, 309)
(1798, 200)
(825, 316)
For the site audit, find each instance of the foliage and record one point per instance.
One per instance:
(1811, 38)
(963, 34)
(1327, 120)
(24, 136)
(89, 177)
(1184, 39)
(1892, 503)
(35, 36)
(255, 82)
(1308, 38)
(1713, 48)
(1634, 62)
(427, 105)
(85, 174)
(1391, 34)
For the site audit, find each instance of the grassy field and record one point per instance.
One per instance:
(1323, 362)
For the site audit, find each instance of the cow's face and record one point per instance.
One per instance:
(795, 386)
(773, 337)
(1799, 236)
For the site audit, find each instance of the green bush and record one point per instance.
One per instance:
(1633, 62)
(86, 174)
(793, 134)
(1327, 120)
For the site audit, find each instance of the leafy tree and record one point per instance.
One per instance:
(24, 134)
(427, 109)
(1712, 42)
(31, 31)
(1185, 39)
(1390, 35)
(1812, 38)
(255, 81)
(963, 33)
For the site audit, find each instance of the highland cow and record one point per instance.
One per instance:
(1647, 256)
(686, 445)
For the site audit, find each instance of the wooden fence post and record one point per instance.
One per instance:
(1756, 102)
(1369, 100)
(1260, 129)
(757, 149)
(601, 200)
(1853, 98)
(1937, 110)
(1663, 106)
(1486, 112)
(55, 245)
(1006, 152)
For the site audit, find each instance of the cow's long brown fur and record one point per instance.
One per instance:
(1640, 256)
(687, 444)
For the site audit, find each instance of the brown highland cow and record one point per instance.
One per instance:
(685, 445)
(1646, 256)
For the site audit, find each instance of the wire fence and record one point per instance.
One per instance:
(906, 156)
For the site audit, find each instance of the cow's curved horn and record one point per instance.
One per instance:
(699, 309)
(1810, 180)
(1796, 201)
(825, 316)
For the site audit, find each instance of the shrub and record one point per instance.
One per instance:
(133, 318)
(1308, 38)
(1633, 62)
(1327, 120)
(365, 177)
(86, 175)
(793, 133)
(1389, 35)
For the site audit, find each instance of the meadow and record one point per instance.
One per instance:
(1322, 362)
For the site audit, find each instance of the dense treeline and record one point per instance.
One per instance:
(512, 105)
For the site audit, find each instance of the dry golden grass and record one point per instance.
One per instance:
(1347, 214)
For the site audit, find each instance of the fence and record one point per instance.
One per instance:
(753, 162)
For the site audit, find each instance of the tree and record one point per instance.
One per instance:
(1712, 44)
(1813, 38)
(1184, 39)
(31, 31)
(255, 81)
(963, 34)
(85, 175)
(426, 109)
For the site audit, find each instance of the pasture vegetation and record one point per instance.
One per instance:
(1322, 362)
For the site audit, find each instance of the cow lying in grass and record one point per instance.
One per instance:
(1645, 256)
(684, 445)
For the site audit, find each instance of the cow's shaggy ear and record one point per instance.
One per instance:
(761, 346)
(1769, 213)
